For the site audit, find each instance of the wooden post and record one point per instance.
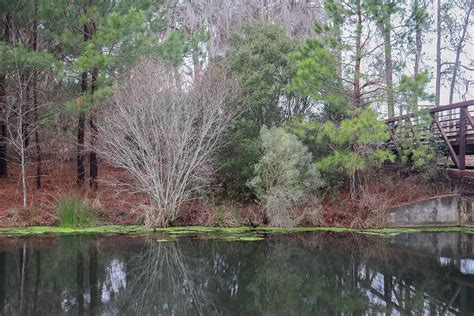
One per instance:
(454, 157)
(462, 139)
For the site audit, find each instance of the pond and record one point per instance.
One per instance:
(290, 274)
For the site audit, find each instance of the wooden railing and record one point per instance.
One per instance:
(452, 123)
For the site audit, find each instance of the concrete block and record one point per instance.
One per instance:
(436, 211)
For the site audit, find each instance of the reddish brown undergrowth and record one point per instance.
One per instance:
(59, 180)
(375, 196)
(367, 209)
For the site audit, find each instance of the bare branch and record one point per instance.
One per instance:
(165, 136)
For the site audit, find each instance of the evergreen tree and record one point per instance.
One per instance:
(382, 11)
(101, 41)
(259, 59)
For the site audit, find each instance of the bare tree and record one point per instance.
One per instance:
(220, 17)
(35, 97)
(26, 72)
(19, 113)
(165, 136)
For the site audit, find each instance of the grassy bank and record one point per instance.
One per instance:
(194, 230)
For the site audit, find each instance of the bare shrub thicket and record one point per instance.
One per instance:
(166, 135)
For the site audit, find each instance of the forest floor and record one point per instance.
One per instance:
(118, 207)
(59, 181)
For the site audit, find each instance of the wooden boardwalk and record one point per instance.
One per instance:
(450, 125)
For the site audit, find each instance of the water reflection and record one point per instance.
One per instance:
(166, 280)
(283, 275)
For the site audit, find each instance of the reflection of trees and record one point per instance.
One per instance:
(349, 275)
(80, 282)
(397, 279)
(47, 280)
(37, 281)
(2, 280)
(294, 280)
(19, 280)
(94, 293)
(164, 280)
(298, 274)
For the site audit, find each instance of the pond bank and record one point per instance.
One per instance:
(193, 230)
(337, 209)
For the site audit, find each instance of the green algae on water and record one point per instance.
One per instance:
(109, 229)
(250, 238)
(218, 232)
(165, 240)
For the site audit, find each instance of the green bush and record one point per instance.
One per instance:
(285, 176)
(356, 145)
(236, 160)
(75, 212)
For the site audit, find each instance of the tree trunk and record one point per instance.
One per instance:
(3, 149)
(80, 140)
(93, 168)
(459, 51)
(418, 47)
(389, 68)
(23, 133)
(358, 58)
(438, 53)
(196, 64)
(339, 40)
(3, 103)
(25, 87)
(35, 102)
(81, 123)
(23, 156)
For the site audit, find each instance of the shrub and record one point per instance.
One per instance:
(237, 159)
(167, 137)
(285, 176)
(75, 212)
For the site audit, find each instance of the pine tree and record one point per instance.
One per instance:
(21, 64)
(7, 8)
(104, 39)
(382, 11)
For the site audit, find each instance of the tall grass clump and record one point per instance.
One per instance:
(75, 212)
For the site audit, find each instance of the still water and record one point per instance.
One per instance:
(300, 274)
